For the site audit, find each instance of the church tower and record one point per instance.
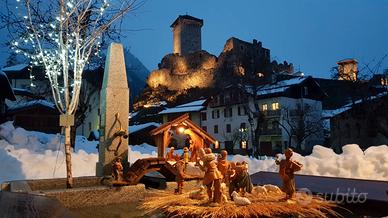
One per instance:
(187, 34)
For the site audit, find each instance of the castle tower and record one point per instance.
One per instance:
(347, 69)
(187, 34)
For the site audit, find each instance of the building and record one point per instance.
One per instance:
(5, 93)
(226, 118)
(193, 108)
(36, 115)
(291, 115)
(270, 115)
(187, 34)
(347, 69)
(363, 122)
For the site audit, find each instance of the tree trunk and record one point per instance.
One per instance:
(69, 177)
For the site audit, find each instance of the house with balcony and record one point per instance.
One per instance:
(290, 115)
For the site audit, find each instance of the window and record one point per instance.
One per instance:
(238, 110)
(215, 129)
(215, 114)
(90, 126)
(228, 112)
(203, 116)
(265, 107)
(204, 128)
(243, 144)
(275, 106)
(228, 128)
(90, 108)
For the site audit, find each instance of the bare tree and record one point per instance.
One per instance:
(61, 36)
(301, 123)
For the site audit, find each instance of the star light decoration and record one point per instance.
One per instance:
(63, 45)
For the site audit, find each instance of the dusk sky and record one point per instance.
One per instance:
(311, 34)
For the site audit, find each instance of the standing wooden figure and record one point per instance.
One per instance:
(287, 169)
(117, 170)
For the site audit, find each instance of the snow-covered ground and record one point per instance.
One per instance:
(32, 155)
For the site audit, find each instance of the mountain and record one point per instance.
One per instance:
(137, 74)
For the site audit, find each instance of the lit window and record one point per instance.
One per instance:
(243, 144)
(265, 107)
(275, 106)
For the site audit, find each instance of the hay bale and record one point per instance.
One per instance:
(268, 205)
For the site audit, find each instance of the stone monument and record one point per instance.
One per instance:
(114, 109)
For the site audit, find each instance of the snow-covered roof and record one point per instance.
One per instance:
(193, 103)
(135, 128)
(33, 103)
(132, 114)
(17, 67)
(280, 86)
(188, 107)
(335, 112)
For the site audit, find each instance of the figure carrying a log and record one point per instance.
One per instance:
(287, 169)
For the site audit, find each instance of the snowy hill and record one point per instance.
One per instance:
(35, 155)
(137, 74)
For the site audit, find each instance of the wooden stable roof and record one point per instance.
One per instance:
(185, 120)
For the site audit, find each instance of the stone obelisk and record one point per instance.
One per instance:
(114, 109)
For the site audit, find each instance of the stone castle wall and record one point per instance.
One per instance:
(187, 37)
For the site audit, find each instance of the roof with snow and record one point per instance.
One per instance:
(19, 71)
(17, 68)
(29, 104)
(136, 128)
(335, 112)
(6, 91)
(193, 106)
(280, 86)
(293, 88)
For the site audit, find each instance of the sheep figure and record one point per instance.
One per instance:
(272, 188)
(259, 190)
(240, 200)
(198, 194)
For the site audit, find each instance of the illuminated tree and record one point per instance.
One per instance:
(61, 36)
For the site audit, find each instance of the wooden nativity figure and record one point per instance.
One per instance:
(212, 177)
(240, 180)
(287, 169)
(117, 170)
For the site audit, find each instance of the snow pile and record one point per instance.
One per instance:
(31, 155)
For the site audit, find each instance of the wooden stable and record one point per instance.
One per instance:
(162, 134)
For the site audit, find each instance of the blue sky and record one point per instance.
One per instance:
(311, 34)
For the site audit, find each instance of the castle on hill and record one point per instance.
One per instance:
(191, 67)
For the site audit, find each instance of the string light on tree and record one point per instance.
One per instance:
(61, 36)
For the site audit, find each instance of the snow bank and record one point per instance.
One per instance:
(31, 155)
